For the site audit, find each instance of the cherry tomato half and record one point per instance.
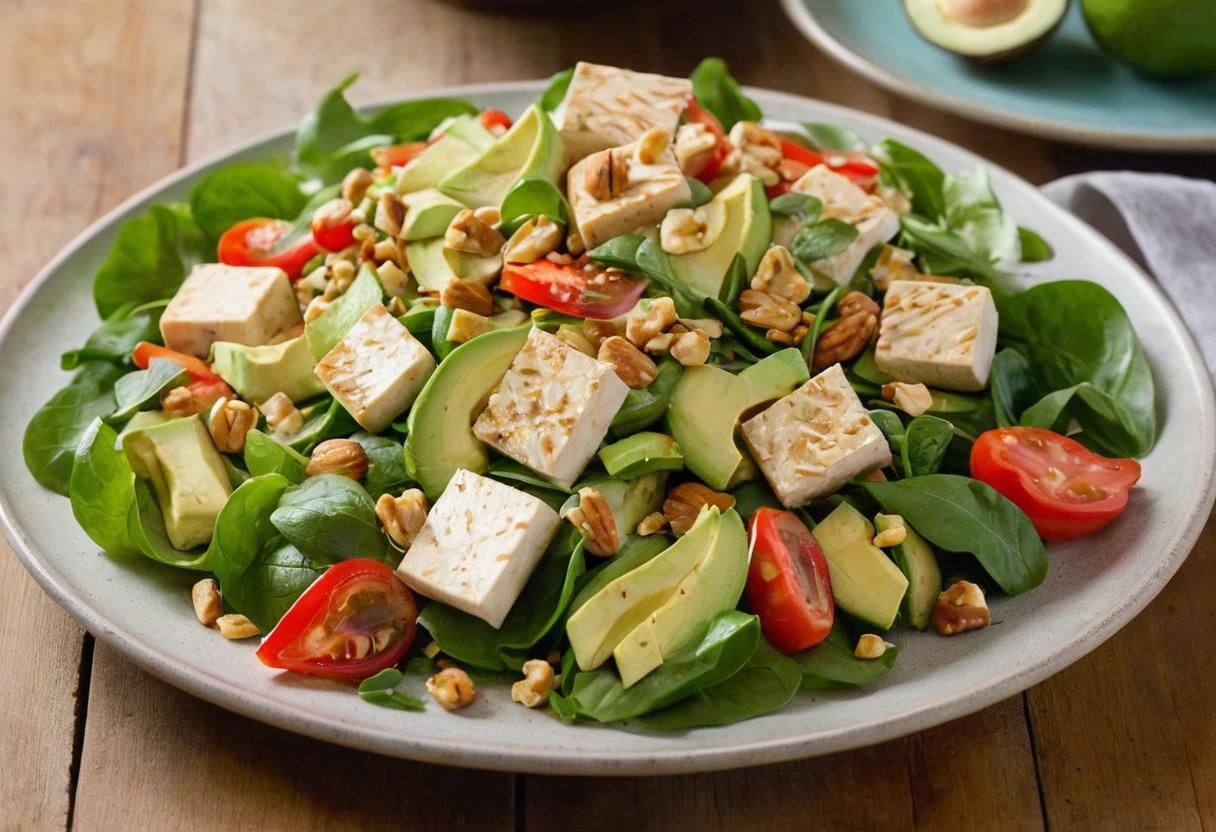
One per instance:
(496, 121)
(1066, 490)
(354, 621)
(205, 386)
(581, 289)
(332, 227)
(266, 242)
(397, 155)
(694, 113)
(788, 584)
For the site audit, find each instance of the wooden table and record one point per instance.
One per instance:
(99, 98)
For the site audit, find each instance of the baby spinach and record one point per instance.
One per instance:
(1013, 387)
(754, 495)
(944, 252)
(750, 337)
(330, 518)
(793, 204)
(974, 214)
(512, 471)
(381, 690)
(135, 391)
(735, 282)
(821, 322)
(729, 642)
(536, 612)
(645, 406)
(765, 684)
(831, 664)
(959, 514)
(323, 419)
(529, 198)
(1034, 248)
(118, 335)
(386, 473)
(244, 191)
(149, 259)
(912, 173)
(330, 327)
(556, 91)
(925, 444)
(266, 455)
(260, 573)
(148, 530)
(639, 254)
(834, 137)
(51, 437)
(822, 239)
(718, 92)
(701, 194)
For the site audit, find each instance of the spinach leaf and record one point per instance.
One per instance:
(655, 264)
(747, 335)
(1088, 364)
(729, 642)
(919, 179)
(701, 194)
(718, 92)
(325, 331)
(945, 252)
(103, 490)
(834, 137)
(959, 514)
(754, 495)
(765, 684)
(926, 441)
(1013, 387)
(1034, 248)
(149, 260)
(539, 608)
(645, 406)
(556, 91)
(323, 419)
(330, 518)
(52, 436)
(387, 473)
(512, 471)
(831, 664)
(260, 573)
(974, 214)
(135, 391)
(865, 369)
(266, 455)
(381, 690)
(735, 282)
(619, 252)
(118, 335)
(820, 323)
(822, 239)
(893, 429)
(529, 198)
(148, 530)
(792, 204)
(244, 191)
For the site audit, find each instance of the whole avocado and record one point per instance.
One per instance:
(1162, 38)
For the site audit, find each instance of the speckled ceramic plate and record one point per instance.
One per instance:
(1095, 586)
(1069, 89)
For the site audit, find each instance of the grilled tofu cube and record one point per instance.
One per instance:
(940, 334)
(815, 439)
(479, 545)
(552, 409)
(607, 107)
(240, 304)
(377, 370)
(844, 201)
(648, 192)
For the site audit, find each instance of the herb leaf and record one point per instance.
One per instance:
(822, 239)
(718, 92)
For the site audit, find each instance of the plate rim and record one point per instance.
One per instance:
(1109, 139)
(564, 760)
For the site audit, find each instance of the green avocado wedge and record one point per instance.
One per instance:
(257, 373)
(531, 148)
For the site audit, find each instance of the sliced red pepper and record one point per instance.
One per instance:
(267, 242)
(581, 289)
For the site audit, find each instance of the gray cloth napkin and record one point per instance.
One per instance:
(1167, 224)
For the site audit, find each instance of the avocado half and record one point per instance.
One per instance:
(986, 30)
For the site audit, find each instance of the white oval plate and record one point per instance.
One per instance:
(1095, 586)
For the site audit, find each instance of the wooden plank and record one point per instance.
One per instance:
(1125, 737)
(83, 126)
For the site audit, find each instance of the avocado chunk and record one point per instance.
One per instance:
(428, 213)
(441, 439)
(463, 138)
(713, 587)
(707, 402)
(916, 560)
(434, 266)
(865, 582)
(744, 226)
(187, 475)
(986, 30)
(630, 501)
(531, 148)
(616, 610)
(1162, 38)
(257, 373)
(641, 454)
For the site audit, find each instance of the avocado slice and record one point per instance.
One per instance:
(257, 373)
(434, 266)
(712, 587)
(746, 227)
(615, 611)
(641, 454)
(916, 560)
(441, 439)
(1161, 38)
(865, 582)
(986, 30)
(707, 403)
(531, 148)
(187, 476)
(463, 138)
(428, 213)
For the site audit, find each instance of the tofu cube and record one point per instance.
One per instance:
(844, 201)
(552, 409)
(608, 107)
(816, 439)
(377, 370)
(240, 304)
(939, 334)
(479, 545)
(650, 191)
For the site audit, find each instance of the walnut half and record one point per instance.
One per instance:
(684, 503)
(850, 335)
(593, 517)
(960, 608)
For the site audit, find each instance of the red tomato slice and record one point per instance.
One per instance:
(496, 121)
(788, 584)
(266, 242)
(332, 227)
(354, 621)
(797, 160)
(206, 387)
(397, 155)
(694, 113)
(1066, 490)
(581, 289)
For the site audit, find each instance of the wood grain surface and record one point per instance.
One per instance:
(100, 97)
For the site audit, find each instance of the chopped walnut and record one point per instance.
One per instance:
(533, 690)
(691, 349)
(229, 422)
(652, 524)
(649, 318)
(960, 608)
(768, 311)
(390, 214)
(355, 185)
(234, 626)
(893, 264)
(685, 501)
(471, 297)
(684, 231)
(870, 647)
(533, 240)
(756, 151)
(913, 399)
(652, 145)
(181, 401)
(850, 335)
(282, 415)
(402, 517)
(778, 276)
(593, 517)
(452, 688)
(208, 607)
(469, 234)
(632, 365)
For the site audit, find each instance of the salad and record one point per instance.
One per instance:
(653, 408)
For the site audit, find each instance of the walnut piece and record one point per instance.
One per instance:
(849, 336)
(282, 415)
(205, 595)
(649, 318)
(685, 501)
(695, 146)
(691, 349)
(402, 517)
(229, 423)
(768, 311)
(632, 365)
(593, 517)
(343, 457)
(234, 626)
(684, 231)
(452, 688)
(778, 276)
(390, 214)
(652, 524)
(652, 145)
(913, 399)
(960, 608)
(469, 234)
(533, 240)
(471, 297)
(533, 690)
(355, 185)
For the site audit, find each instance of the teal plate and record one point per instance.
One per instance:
(1068, 89)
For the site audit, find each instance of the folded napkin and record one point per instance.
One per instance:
(1167, 224)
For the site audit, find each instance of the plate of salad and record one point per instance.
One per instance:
(624, 424)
